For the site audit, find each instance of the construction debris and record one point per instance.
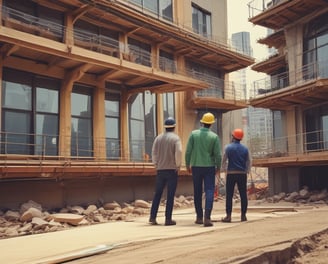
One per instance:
(33, 219)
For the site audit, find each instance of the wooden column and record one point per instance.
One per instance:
(99, 134)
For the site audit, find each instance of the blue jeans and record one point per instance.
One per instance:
(164, 178)
(204, 175)
(241, 181)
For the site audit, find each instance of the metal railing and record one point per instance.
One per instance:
(256, 7)
(79, 148)
(310, 72)
(303, 143)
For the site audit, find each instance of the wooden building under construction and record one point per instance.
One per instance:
(296, 91)
(87, 84)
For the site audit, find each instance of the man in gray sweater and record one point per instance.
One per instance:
(166, 156)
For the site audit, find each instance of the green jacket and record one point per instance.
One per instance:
(203, 149)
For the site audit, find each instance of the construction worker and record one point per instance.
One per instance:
(166, 156)
(236, 163)
(203, 160)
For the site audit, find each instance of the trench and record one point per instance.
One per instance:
(290, 254)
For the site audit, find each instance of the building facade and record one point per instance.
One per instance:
(296, 92)
(87, 85)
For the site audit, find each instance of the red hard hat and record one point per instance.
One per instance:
(238, 133)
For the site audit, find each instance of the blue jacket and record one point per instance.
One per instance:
(236, 158)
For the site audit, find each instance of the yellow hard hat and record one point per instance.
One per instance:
(208, 118)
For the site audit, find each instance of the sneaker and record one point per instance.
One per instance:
(153, 221)
(170, 222)
(199, 221)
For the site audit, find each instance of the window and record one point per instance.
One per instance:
(81, 130)
(99, 39)
(166, 62)
(315, 54)
(201, 21)
(33, 102)
(211, 76)
(35, 19)
(162, 8)
(140, 52)
(142, 125)
(168, 105)
(316, 120)
(112, 123)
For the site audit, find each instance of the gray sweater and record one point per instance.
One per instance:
(167, 151)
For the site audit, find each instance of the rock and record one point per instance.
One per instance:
(25, 206)
(11, 215)
(111, 206)
(30, 213)
(141, 203)
(76, 210)
(72, 219)
(90, 209)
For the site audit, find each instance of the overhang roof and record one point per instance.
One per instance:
(271, 65)
(126, 17)
(311, 92)
(276, 40)
(285, 12)
(319, 158)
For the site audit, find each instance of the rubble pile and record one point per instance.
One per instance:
(33, 219)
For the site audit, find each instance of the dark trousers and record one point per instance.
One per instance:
(168, 178)
(204, 175)
(241, 181)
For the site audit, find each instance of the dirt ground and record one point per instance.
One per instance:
(284, 237)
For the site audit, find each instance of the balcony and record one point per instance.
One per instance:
(222, 95)
(304, 149)
(276, 14)
(31, 155)
(305, 86)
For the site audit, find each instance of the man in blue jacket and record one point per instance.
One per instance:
(236, 163)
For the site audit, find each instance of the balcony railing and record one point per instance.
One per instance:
(271, 84)
(304, 143)
(45, 147)
(256, 7)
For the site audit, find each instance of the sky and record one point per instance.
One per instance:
(238, 21)
(238, 15)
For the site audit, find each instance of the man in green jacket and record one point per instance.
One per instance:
(203, 160)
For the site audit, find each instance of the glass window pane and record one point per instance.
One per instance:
(112, 108)
(16, 138)
(112, 127)
(165, 9)
(46, 100)
(136, 105)
(137, 140)
(16, 96)
(81, 139)
(151, 5)
(47, 135)
(81, 105)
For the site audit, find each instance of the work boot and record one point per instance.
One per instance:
(207, 218)
(243, 218)
(207, 222)
(169, 222)
(199, 221)
(153, 221)
(226, 219)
